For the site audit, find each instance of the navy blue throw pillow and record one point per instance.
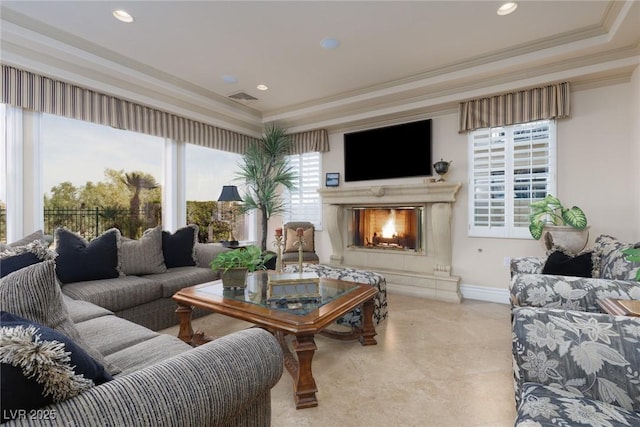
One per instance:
(79, 260)
(178, 248)
(565, 265)
(17, 262)
(37, 370)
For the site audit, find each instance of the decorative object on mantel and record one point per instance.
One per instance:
(278, 243)
(442, 168)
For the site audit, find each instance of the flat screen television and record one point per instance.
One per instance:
(397, 151)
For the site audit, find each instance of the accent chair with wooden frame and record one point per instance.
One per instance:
(290, 249)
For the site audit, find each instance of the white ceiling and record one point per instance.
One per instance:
(396, 59)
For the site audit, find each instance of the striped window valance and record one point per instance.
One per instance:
(548, 102)
(38, 93)
(313, 140)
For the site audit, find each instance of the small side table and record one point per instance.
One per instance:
(619, 307)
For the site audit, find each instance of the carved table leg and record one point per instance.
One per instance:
(184, 315)
(304, 384)
(368, 329)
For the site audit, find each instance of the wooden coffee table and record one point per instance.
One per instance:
(619, 307)
(303, 323)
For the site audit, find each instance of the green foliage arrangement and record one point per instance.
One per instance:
(550, 211)
(250, 257)
(264, 170)
(203, 215)
(633, 255)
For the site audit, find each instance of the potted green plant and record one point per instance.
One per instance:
(561, 226)
(235, 264)
(265, 170)
(633, 255)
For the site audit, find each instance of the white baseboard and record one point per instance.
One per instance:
(483, 293)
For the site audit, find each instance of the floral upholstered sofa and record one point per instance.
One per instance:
(574, 368)
(573, 365)
(607, 274)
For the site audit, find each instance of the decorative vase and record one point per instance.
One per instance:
(570, 239)
(235, 278)
(441, 169)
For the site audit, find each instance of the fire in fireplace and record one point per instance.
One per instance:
(397, 228)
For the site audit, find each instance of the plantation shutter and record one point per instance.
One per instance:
(489, 163)
(511, 167)
(532, 165)
(303, 203)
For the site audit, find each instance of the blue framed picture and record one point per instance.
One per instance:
(332, 179)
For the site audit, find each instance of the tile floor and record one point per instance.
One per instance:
(436, 364)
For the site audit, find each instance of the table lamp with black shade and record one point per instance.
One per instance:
(230, 196)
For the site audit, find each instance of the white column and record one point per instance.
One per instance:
(174, 205)
(14, 173)
(32, 169)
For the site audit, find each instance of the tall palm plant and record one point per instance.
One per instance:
(264, 169)
(136, 182)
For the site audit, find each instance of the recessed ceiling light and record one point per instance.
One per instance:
(330, 43)
(229, 79)
(507, 8)
(262, 87)
(122, 15)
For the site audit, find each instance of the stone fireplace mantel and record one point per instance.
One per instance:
(425, 273)
(415, 193)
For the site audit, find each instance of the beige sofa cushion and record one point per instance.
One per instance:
(143, 256)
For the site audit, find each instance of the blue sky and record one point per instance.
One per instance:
(78, 152)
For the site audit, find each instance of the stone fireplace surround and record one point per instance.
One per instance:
(426, 273)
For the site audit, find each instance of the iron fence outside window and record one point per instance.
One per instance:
(92, 222)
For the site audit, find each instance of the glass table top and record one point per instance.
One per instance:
(257, 287)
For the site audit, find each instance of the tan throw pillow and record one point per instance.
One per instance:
(291, 238)
(143, 256)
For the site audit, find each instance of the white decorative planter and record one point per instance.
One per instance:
(568, 238)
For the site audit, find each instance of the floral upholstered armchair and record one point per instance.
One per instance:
(572, 365)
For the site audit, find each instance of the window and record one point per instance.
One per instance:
(207, 171)
(510, 167)
(303, 204)
(97, 177)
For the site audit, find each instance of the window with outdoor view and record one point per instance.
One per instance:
(303, 203)
(96, 177)
(510, 167)
(207, 171)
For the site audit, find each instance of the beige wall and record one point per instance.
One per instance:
(635, 123)
(598, 158)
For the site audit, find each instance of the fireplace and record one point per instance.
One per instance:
(400, 231)
(396, 228)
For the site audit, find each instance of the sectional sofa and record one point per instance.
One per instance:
(574, 365)
(135, 279)
(141, 377)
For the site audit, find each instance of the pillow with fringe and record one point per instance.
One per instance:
(14, 258)
(40, 366)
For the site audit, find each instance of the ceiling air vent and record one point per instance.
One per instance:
(242, 96)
